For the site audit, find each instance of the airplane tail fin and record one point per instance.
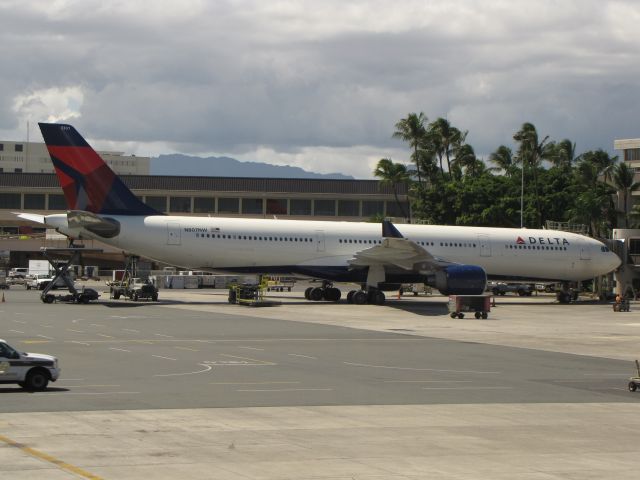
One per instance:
(86, 180)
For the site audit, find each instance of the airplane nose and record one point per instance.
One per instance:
(614, 262)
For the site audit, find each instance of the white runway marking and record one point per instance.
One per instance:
(119, 349)
(104, 335)
(19, 321)
(254, 383)
(87, 393)
(161, 335)
(303, 356)
(16, 331)
(44, 336)
(96, 325)
(419, 369)
(186, 348)
(467, 388)
(428, 381)
(46, 326)
(206, 369)
(287, 390)
(77, 331)
(166, 358)
(253, 348)
(80, 343)
(131, 330)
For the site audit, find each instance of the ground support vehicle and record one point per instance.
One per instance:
(3, 281)
(280, 284)
(84, 295)
(634, 382)
(251, 295)
(621, 306)
(32, 371)
(521, 289)
(134, 289)
(479, 305)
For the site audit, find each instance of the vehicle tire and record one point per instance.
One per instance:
(495, 291)
(477, 315)
(632, 386)
(461, 315)
(316, 294)
(154, 297)
(376, 297)
(360, 297)
(135, 297)
(453, 315)
(37, 380)
(84, 299)
(48, 298)
(521, 293)
(332, 294)
(350, 296)
(28, 287)
(485, 315)
(307, 293)
(116, 295)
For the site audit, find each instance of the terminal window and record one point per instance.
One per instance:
(252, 206)
(300, 206)
(180, 204)
(34, 201)
(634, 246)
(228, 205)
(10, 200)
(156, 202)
(631, 154)
(204, 205)
(325, 208)
(276, 206)
(348, 208)
(57, 202)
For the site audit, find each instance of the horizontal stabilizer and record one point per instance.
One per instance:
(102, 226)
(32, 217)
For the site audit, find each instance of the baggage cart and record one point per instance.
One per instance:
(479, 305)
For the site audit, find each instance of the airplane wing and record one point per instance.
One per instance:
(32, 217)
(395, 250)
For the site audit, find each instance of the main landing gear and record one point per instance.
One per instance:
(372, 296)
(326, 292)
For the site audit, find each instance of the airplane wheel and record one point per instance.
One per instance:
(307, 293)
(632, 386)
(332, 294)
(360, 297)
(48, 298)
(316, 294)
(376, 297)
(350, 296)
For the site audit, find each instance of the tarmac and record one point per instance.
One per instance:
(536, 391)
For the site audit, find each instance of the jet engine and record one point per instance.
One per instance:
(461, 280)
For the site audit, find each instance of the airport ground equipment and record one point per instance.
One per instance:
(61, 268)
(3, 281)
(621, 306)
(479, 305)
(280, 284)
(249, 294)
(131, 286)
(634, 382)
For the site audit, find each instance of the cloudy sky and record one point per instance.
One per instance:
(318, 85)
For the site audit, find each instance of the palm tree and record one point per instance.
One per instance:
(623, 181)
(503, 158)
(465, 158)
(446, 138)
(412, 130)
(532, 151)
(565, 154)
(392, 174)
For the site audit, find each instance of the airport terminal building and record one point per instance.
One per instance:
(27, 183)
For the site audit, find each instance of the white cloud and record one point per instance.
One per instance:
(51, 104)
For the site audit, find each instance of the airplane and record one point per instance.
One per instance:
(455, 260)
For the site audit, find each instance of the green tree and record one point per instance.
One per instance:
(412, 130)
(393, 174)
(446, 138)
(503, 159)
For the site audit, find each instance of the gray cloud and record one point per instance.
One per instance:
(300, 79)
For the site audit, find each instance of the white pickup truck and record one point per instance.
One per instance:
(40, 282)
(32, 371)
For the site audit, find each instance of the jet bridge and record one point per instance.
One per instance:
(61, 259)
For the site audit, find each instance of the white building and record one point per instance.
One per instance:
(32, 157)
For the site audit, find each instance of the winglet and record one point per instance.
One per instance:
(389, 230)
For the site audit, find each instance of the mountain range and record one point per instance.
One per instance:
(186, 165)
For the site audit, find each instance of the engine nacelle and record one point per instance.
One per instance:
(461, 280)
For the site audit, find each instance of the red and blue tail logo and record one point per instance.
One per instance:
(86, 180)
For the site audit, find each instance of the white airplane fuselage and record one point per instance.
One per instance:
(323, 249)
